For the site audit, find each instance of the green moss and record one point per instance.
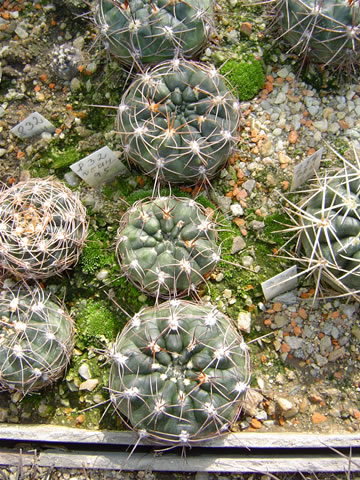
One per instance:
(97, 253)
(59, 159)
(97, 321)
(246, 77)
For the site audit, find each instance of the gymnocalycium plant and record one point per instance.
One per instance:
(151, 31)
(179, 372)
(178, 122)
(43, 228)
(167, 245)
(36, 338)
(327, 224)
(323, 31)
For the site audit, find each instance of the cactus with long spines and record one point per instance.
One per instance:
(151, 31)
(323, 31)
(178, 122)
(43, 228)
(36, 338)
(179, 373)
(167, 245)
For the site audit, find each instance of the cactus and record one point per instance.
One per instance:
(178, 122)
(328, 227)
(151, 31)
(65, 61)
(167, 245)
(43, 227)
(179, 372)
(323, 31)
(36, 338)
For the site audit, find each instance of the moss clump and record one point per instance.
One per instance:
(246, 77)
(97, 321)
(96, 254)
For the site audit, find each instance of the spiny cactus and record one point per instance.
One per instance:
(179, 372)
(167, 245)
(36, 338)
(328, 227)
(178, 122)
(324, 31)
(150, 31)
(43, 227)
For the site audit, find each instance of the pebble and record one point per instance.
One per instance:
(84, 371)
(244, 321)
(238, 244)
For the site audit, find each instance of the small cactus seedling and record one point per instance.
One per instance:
(43, 227)
(328, 228)
(167, 245)
(36, 338)
(178, 122)
(65, 61)
(179, 372)
(151, 31)
(323, 31)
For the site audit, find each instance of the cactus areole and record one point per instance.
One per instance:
(179, 372)
(178, 122)
(43, 228)
(167, 245)
(36, 339)
(331, 235)
(325, 31)
(150, 31)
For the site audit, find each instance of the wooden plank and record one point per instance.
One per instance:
(173, 463)
(53, 433)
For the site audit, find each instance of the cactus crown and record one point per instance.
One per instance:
(178, 122)
(36, 338)
(167, 245)
(324, 31)
(179, 372)
(150, 31)
(43, 227)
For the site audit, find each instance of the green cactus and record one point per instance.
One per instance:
(43, 228)
(179, 372)
(178, 122)
(328, 225)
(36, 338)
(166, 246)
(323, 31)
(150, 31)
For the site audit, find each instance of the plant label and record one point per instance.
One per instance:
(306, 169)
(34, 124)
(284, 281)
(99, 167)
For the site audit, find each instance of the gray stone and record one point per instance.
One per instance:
(294, 342)
(21, 32)
(244, 321)
(321, 125)
(84, 371)
(238, 244)
(283, 73)
(257, 225)
(249, 185)
(288, 298)
(336, 354)
(280, 320)
(237, 210)
(325, 345)
(89, 384)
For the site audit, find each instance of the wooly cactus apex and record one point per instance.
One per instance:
(323, 31)
(179, 373)
(151, 31)
(328, 229)
(43, 228)
(36, 338)
(178, 122)
(167, 245)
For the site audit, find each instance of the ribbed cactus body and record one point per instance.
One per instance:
(332, 229)
(150, 31)
(36, 339)
(167, 245)
(325, 31)
(178, 122)
(43, 227)
(179, 372)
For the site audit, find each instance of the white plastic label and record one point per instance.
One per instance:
(33, 125)
(284, 281)
(306, 169)
(98, 167)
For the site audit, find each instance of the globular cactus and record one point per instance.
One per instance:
(323, 31)
(36, 338)
(43, 228)
(167, 245)
(328, 227)
(151, 31)
(178, 122)
(65, 61)
(179, 372)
